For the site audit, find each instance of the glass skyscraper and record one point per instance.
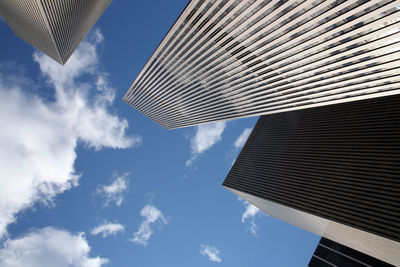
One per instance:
(329, 253)
(332, 170)
(230, 59)
(55, 27)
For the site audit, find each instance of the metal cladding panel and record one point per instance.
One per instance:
(228, 59)
(340, 162)
(375, 246)
(26, 19)
(56, 27)
(71, 20)
(329, 253)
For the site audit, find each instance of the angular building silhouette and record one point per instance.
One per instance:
(329, 253)
(230, 59)
(332, 170)
(55, 27)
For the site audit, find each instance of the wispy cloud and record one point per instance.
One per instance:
(107, 228)
(250, 214)
(151, 215)
(211, 252)
(114, 192)
(40, 134)
(239, 143)
(206, 136)
(48, 247)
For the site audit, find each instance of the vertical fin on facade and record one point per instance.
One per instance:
(230, 59)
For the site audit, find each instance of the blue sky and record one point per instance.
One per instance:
(86, 180)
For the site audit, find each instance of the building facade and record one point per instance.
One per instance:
(229, 59)
(329, 253)
(55, 27)
(332, 170)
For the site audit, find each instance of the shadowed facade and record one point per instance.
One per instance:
(331, 170)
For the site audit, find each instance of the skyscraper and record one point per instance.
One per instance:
(229, 59)
(329, 253)
(332, 170)
(55, 27)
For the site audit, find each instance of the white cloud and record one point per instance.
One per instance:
(211, 252)
(115, 191)
(49, 247)
(239, 143)
(39, 136)
(151, 216)
(206, 136)
(250, 214)
(107, 228)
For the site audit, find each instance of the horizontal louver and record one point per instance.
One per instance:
(229, 59)
(339, 162)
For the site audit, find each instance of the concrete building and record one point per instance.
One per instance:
(331, 170)
(229, 59)
(55, 27)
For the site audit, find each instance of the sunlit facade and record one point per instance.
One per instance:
(55, 27)
(332, 170)
(230, 59)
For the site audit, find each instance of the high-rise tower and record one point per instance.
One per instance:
(228, 59)
(329, 253)
(55, 27)
(332, 170)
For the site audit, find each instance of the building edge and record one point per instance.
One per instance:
(378, 247)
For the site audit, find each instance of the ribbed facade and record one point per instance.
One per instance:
(228, 59)
(338, 162)
(329, 253)
(55, 27)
